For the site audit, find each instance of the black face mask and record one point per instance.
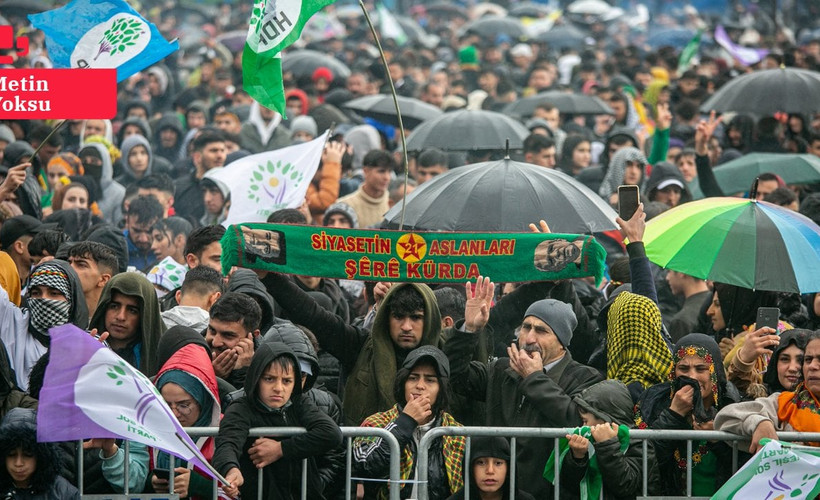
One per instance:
(95, 171)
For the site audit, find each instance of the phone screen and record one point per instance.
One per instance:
(628, 200)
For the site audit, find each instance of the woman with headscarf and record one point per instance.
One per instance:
(636, 353)
(188, 384)
(422, 393)
(58, 170)
(740, 134)
(489, 471)
(697, 390)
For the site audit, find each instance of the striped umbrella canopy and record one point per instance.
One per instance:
(741, 242)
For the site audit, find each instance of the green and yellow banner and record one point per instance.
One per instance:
(381, 255)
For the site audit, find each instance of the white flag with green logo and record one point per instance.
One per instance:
(274, 25)
(390, 27)
(780, 471)
(263, 183)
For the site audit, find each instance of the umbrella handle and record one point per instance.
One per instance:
(395, 103)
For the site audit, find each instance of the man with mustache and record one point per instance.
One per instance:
(533, 387)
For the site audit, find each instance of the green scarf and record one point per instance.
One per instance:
(592, 483)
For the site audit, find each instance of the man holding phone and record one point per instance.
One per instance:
(231, 334)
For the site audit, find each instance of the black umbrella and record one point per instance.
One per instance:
(574, 104)
(468, 130)
(302, 63)
(564, 36)
(763, 93)
(490, 26)
(446, 10)
(233, 40)
(529, 9)
(382, 108)
(503, 196)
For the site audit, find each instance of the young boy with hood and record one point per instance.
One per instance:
(604, 407)
(55, 297)
(273, 398)
(129, 311)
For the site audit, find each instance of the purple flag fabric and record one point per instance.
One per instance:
(745, 55)
(90, 392)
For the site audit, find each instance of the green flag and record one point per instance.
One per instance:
(274, 25)
(689, 52)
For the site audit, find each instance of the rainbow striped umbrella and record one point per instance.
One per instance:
(738, 241)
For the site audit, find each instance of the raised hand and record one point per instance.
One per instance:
(479, 299)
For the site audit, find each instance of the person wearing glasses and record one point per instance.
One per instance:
(188, 385)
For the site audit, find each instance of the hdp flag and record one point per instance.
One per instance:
(263, 183)
(101, 34)
(274, 25)
(90, 392)
(746, 56)
(779, 470)
(689, 52)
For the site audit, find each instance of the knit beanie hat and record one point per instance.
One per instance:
(558, 315)
(489, 447)
(341, 208)
(304, 123)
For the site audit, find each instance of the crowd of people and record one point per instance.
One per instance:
(115, 226)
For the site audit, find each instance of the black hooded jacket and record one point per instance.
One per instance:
(19, 428)
(332, 464)
(283, 477)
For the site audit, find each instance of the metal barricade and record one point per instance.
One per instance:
(643, 435)
(347, 432)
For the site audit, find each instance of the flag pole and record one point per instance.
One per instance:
(44, 141)
(395, 103)
(205, 463)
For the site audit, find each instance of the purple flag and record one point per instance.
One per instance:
(90, 392)
(745, 55)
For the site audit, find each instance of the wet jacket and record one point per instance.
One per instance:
(168, 121)
(282, 479)
(142, 352)
(369, 357)
(540, 400)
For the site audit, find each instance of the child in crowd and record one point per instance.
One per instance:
(32, 469)
(273, 398)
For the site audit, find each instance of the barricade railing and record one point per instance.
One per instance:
(643, 435)
(275, 432)
(422, 459)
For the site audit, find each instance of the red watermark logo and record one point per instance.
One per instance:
(75, 94)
